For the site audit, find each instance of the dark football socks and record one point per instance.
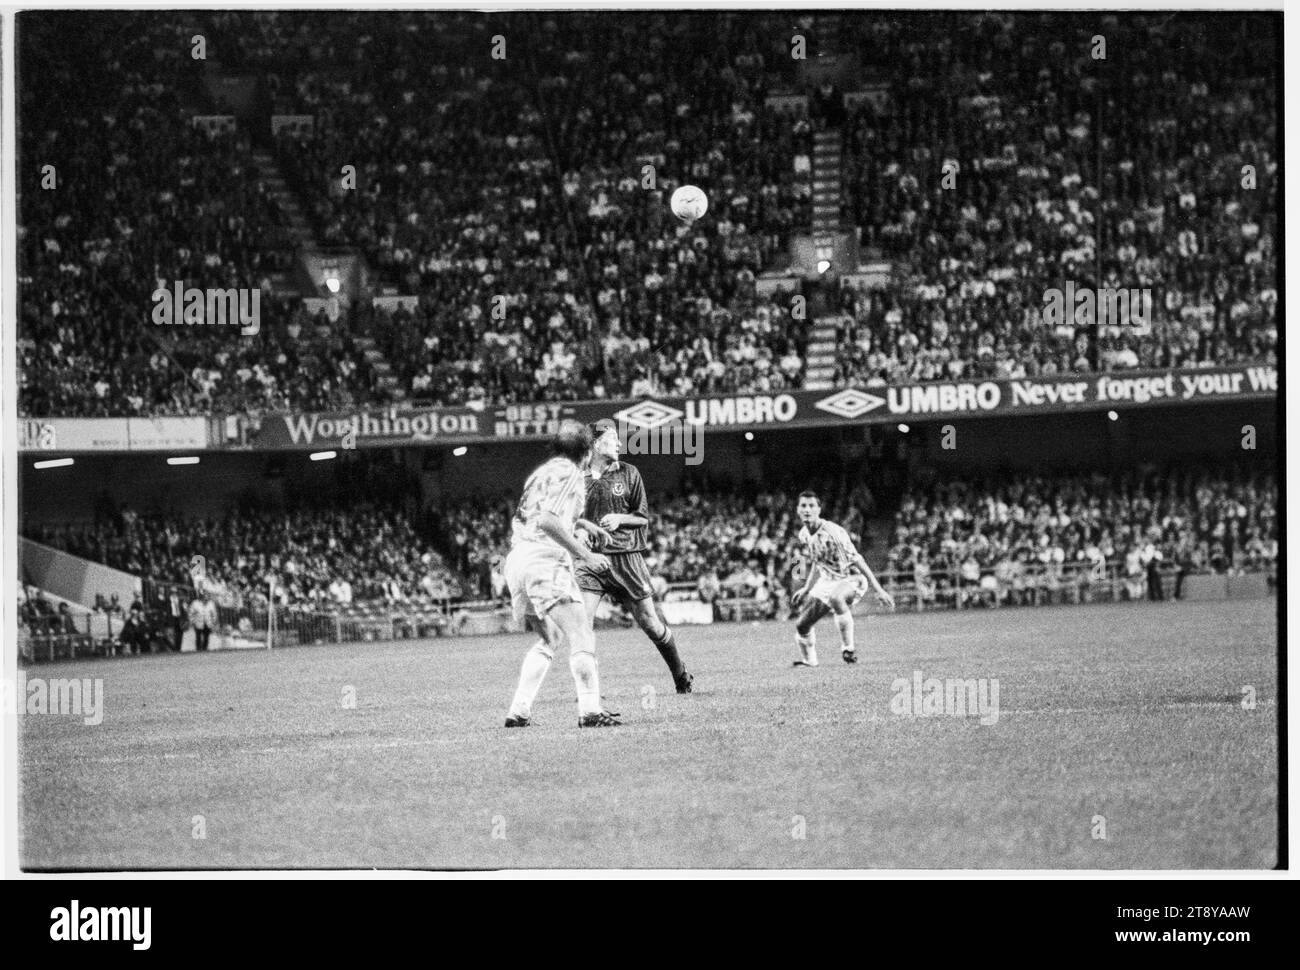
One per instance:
(667, 648)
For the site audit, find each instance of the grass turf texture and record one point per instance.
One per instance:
(1130, 711)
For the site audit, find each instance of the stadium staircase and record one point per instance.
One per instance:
(826, 164)
(828, 35)
(822, 350)
(301, 281)
(385, 379)
(225, 91)
(287, 283)
(832, 239)
(827, 190)
(298, 282)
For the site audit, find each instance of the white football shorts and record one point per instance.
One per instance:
(849, 589)
(539, 577)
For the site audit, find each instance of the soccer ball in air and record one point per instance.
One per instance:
(689, 203)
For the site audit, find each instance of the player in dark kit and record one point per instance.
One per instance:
(617, 515)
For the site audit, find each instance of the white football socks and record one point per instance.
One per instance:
(586, 680)
(537, 662)
(808, 647)
(844, 621)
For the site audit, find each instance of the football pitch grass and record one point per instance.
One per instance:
(1120, 720)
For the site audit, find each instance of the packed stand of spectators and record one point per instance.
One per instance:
(523, 198)
(1015, 538)
(475, 536)
(1015, 106)
(511, 196)
(320, 560)
(743, 546)
(1008, 538)
(123, 194)
(1015, 535)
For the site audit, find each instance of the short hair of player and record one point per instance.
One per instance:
(572, 441)
(809, 493)
(601, 428)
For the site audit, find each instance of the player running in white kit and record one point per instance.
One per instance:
(837, 578)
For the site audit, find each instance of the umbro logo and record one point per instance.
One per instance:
(850, 403)
(651, 428)
(648, 414)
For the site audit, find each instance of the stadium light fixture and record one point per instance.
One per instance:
(1113, 415)
(52, 463)
(332, 284)
(749, 436)
(461, 452)
(184, 460)
(823, 265)
(904, 429)
(323, 455)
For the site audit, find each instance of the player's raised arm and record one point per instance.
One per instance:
(882, 594)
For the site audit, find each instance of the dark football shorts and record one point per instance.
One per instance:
(628, 577)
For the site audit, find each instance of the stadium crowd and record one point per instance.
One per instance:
(522, 200)
(1014, 534)
(124, 194)
(318, 559)
(1013, 539)
(514, 198)
(981, 178)
(1010, 538)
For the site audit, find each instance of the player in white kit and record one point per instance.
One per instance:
(837, 578)
(539, 574)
